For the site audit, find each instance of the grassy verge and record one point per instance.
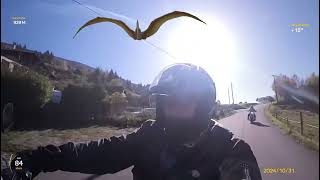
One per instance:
(225, 110)
(226, 114)
(15, 141)
(310, 139)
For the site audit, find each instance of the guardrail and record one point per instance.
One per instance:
(301, 122)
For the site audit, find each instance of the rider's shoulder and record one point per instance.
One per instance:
(148, 123)
(240, 144)
(215, 124)
(217, 129)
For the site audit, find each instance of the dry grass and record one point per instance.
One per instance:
(311, 135)
(15, 141)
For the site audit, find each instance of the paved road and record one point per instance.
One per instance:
(272, 150)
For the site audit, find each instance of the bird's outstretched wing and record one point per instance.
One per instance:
(103, 19)
(155, 24)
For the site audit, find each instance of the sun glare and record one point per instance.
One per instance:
(210, 46)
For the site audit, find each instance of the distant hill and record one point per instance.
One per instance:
(63, 72)
(56, 60)
(74, 65)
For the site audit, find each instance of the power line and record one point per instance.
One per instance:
(87, 7)
(162, 50)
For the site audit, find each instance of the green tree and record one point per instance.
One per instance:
(25, 88)
(116, 75)
(47, 57)
(133, 99)
(115, 82)
(312, 83)
(270, 99)
(118, 98)
(28, 91)
(284, 85)
(110, 75)
(128, 84)
(80, 102)
(97, 77)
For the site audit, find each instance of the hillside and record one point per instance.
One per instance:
(74, 65)
(63, 72)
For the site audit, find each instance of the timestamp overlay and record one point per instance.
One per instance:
(299, 28)
(279, 170)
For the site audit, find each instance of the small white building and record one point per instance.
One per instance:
(56, 96)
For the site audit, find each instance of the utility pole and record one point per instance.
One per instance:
(275, 87)
(232, 94)
(229, 95)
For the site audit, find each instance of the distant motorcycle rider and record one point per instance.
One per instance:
(182, 143)
(252, 111)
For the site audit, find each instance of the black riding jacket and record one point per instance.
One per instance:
(216, 154)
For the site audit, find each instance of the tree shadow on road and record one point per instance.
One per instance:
(259, 124)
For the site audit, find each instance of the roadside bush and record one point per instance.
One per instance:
(134, 100)
(28, 91)
(83, 103)
(312, 82)
(25, 88)
(118, 98)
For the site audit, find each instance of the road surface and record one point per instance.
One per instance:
(271, 148)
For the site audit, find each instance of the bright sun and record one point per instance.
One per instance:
(210, 46)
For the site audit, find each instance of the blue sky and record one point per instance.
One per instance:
(254, 34)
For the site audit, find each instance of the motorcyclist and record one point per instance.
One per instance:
(252, 111)
(182, 143)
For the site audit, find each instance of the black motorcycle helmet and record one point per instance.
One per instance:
(183, 81)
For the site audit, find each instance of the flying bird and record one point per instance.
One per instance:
(138, 34)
